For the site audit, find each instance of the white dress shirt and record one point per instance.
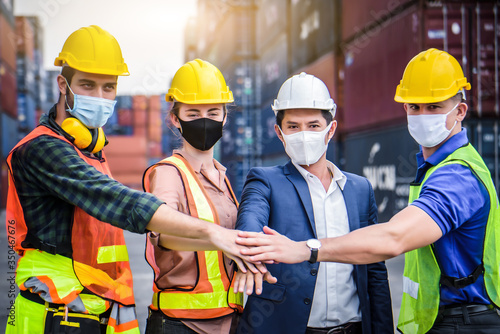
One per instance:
(335, 300)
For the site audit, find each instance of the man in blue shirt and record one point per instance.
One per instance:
(451, 281)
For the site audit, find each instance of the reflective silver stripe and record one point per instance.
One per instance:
(410, 287)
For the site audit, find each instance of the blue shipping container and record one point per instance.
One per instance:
(26, 112)
(10, 134)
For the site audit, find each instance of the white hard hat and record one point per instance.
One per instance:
(304, 91)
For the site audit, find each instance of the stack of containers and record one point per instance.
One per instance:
(139, 112)
(126, 156)
(26, 74)
(273, 49)
(314, 41)
(41, 89)
(52, 90)
(379, 40)
(124, 116)
(127, 150)
(154, 132)
(170, 136)
(8, 92)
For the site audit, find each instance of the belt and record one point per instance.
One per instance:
(469, 308)
(35, 297)
(347, 328)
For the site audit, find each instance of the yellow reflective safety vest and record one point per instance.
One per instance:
(213, 295)
(99, 255)
(421, 277)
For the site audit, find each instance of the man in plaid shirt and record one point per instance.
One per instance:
(65, 214)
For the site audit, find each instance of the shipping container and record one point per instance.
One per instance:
(26, 75)
(325, 68)
(210, 16)
(139, 131)
(314, 30)
(124, 102)
(127, 158)
(140, 118)
(387, 159)
(375, 61)
(484, 135)
(155, 129)
(10, 134)
(154, 150)
(125, 117)
(26, 113)
(52, 88)
(38, 29)
(8, 91)
(139, 102)
(271, 144)
(154, 103)
(126, 145)
(41, 88)
(271, 23)
(363, 15)
(227, 41)
(7, 43)
(273, 67)
(25, 37)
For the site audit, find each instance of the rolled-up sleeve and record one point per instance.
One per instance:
(58, 169)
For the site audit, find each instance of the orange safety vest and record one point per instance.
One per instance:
(100, 258)
(213, 295)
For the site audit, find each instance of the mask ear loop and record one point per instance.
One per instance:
(455, 107)
(66, 96)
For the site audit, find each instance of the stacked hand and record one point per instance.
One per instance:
(250, 250)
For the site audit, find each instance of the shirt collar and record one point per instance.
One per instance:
(338, 176)
(197, 165)
(451, 145)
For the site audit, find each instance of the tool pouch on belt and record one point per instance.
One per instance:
(59, 321)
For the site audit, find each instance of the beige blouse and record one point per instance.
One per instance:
(178, 268)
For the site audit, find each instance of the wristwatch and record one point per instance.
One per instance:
(314, 245)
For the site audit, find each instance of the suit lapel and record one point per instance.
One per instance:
(351, 203)
(302, 188)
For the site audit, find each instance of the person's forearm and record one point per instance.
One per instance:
(409, 229)
(171, 222)
(185, 244)
(367, 245)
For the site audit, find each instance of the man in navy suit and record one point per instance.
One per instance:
(307, 199)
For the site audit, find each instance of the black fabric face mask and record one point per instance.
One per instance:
(201, 133)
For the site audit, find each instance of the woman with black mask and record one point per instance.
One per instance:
(192, 285)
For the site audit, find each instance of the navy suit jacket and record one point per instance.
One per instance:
(279, 197)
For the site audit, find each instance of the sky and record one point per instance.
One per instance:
(150, 33)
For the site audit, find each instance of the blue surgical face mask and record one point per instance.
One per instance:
(94, 112)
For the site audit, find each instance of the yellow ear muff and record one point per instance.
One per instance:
(84, 138)
(100, 141)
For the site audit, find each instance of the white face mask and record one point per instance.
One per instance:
(306, 147)
(429, 130)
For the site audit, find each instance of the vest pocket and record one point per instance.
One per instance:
(59, 321)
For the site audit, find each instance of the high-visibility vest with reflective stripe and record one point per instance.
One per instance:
(213, 295)
(100, 258)
(421, 277)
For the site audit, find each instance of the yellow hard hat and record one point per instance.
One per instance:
(199, 82)
(431, 76)
(92, 50)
